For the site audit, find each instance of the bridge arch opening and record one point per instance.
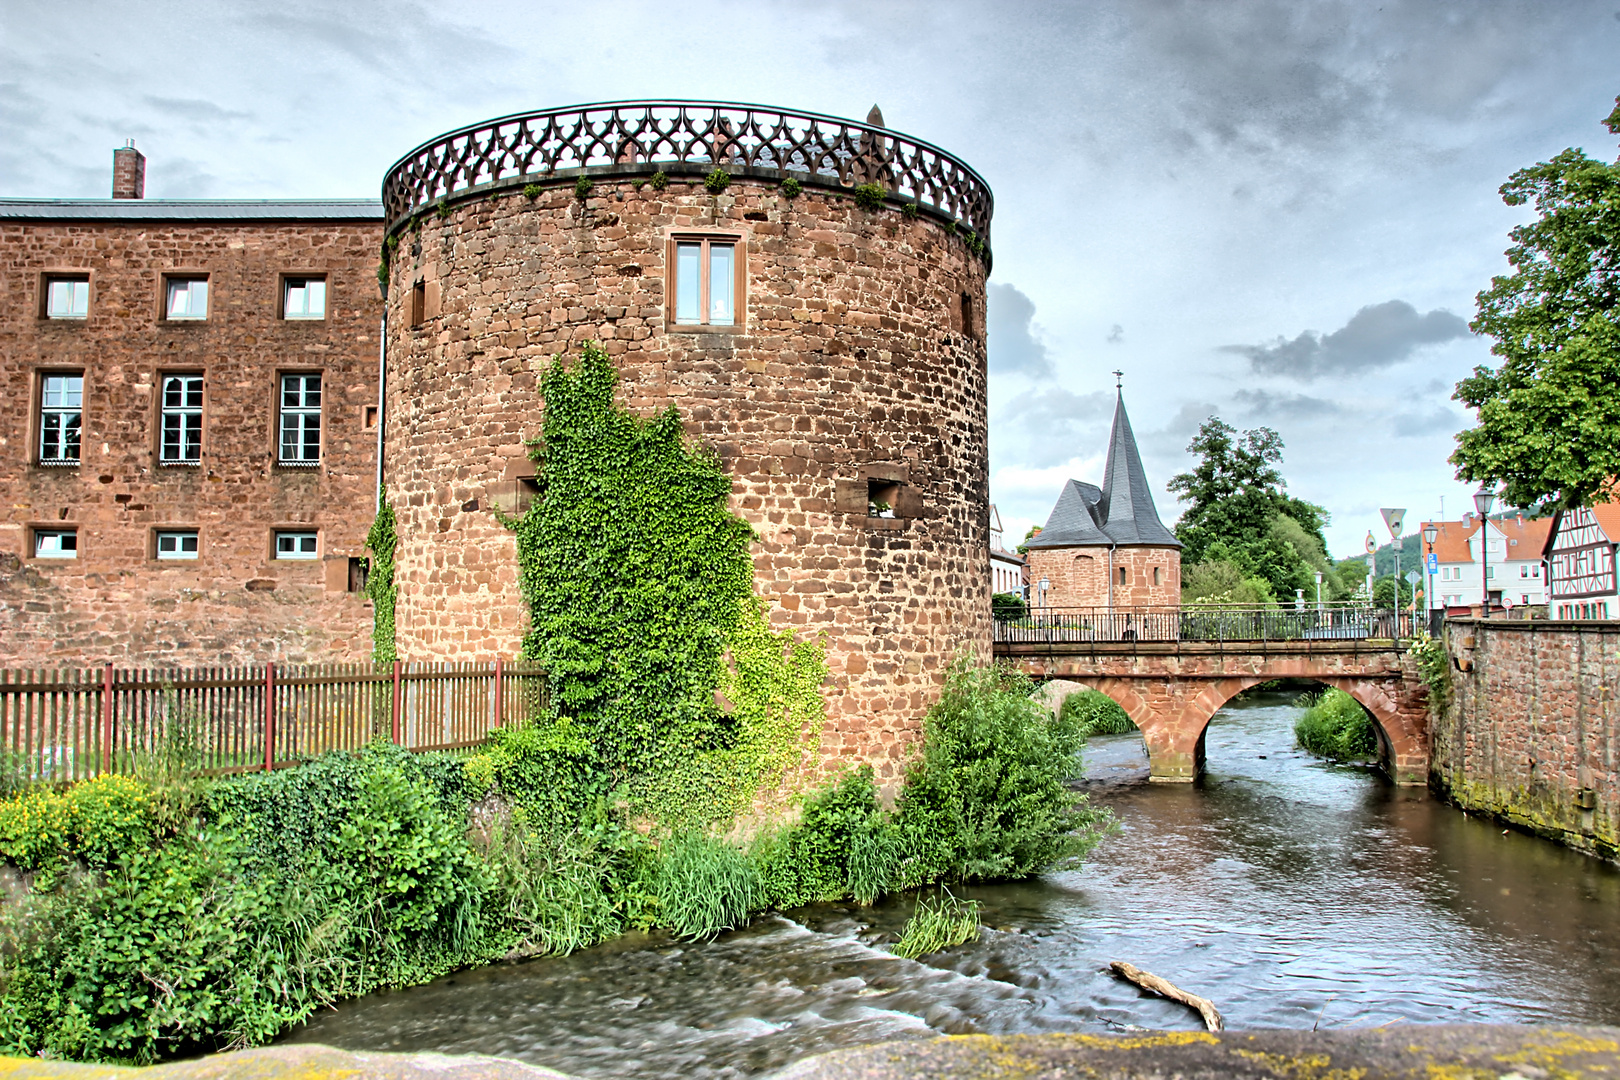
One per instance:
(1377, 705)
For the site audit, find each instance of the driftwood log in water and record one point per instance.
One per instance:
(1164, 988)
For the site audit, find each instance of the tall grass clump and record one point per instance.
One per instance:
(1335, 726)
(938, 923)
(1095, 713)
(986, 798)
(704, 885)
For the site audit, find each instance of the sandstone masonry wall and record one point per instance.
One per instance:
(860, 357)
(1079, 576)
(1532, 733)
(234, 604)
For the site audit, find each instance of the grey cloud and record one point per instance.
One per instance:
(1055, 425)
(1116, 334)
(1411, 425)
(1014, 346)
(1377, 336)
(1265, 405)
(196, 110)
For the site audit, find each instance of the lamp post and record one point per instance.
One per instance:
(1430, 535)
(1319, 590)
(1484, 499)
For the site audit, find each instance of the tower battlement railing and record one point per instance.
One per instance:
(639, 138)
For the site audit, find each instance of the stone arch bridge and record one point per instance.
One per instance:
(1171, 674)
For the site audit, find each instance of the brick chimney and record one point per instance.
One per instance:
(129, 172)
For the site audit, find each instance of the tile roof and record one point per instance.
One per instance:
(1451, 546)
(191, 210)
(1120, 512)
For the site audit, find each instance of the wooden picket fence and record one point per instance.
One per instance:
(65, 725)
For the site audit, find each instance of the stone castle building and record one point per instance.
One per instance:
(1106, 547)
(195, 427)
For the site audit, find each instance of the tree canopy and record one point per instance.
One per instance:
(1549, 417)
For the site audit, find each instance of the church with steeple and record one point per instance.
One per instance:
(1106, 547)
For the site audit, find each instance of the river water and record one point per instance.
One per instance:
(1292, 893)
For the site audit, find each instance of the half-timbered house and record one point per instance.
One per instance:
(1580, 556)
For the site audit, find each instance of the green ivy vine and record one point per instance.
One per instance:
(639, 586)
(383, 540)
(1434, 665)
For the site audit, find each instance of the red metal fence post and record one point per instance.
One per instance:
(269, 716)
(498, 690)
(396, 703)
(106, 719)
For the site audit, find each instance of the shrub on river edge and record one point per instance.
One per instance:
(1335, 726)
(1095, 713)
(282, 892)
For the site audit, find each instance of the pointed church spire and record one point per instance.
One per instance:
(1126, 511)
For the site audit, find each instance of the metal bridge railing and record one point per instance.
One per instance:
(1330, 622)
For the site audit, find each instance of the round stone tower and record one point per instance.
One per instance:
(808, 292)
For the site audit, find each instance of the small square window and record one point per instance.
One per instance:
(187, 298)
(67, 297)
(177, 544)
(304, 298)
(295, 545)
(56, 543)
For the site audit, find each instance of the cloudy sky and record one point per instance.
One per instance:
(1274, 212)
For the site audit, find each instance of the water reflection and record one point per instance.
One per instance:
(1290, 892)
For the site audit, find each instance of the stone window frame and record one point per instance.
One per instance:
(184, 371)
(155, 555)
(739, 243)
(168, 276)
(275, 417)
(31, 541)
(284, 281)
(65, 274)
(298, 527)
(852, 497)
(36, 413)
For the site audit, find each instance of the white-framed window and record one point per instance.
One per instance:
(295, 545)
(1524, 571)
(61, 401)
(186, 298)
(706, 282)
(304, 298)
(67, 297)
(176, 544)
(300, 422)
(56, 543)
(181, 421)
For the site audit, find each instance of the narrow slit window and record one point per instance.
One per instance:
(300, 438)
(60, 419)
(187, 298)
(177, 544)
(706, 282)
(182, 420)
(305, 298)
(67, 298)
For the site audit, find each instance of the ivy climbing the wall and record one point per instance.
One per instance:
(639, 586)
(382, 540)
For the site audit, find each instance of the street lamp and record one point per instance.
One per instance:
(1484, 499)
(1430, 535)
(1319, 590)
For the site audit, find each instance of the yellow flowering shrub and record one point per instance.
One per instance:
(96, 821)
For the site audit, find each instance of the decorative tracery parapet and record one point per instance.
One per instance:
(635, 137)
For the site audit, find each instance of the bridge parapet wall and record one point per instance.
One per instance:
(1532, 731)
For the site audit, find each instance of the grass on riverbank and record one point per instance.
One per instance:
(1335, 726)
(938, 923)
(165, 916)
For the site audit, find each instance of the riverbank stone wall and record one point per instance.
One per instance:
(857, 370)
(1531, 733)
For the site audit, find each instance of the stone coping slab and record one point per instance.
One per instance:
(300, 1061)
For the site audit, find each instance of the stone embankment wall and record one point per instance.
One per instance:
(235, 603)
(1532, 731)
(857, 367)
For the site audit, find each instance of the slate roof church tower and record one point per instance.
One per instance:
(1106, 547)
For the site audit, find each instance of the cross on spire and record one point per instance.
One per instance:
(1119, 379)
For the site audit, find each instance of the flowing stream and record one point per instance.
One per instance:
(1293, 893)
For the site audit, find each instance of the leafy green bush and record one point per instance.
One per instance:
(704, 885)
(842, 846)
(1336, 727)
(717, 181)
(660, 180)
(792, 188)
(583, 187)
(938, 923)
(96, 821)
(870, 196)
(549, 770)
(1007, 606)
(1434, 666)
(986, 798)
(1095, 713)
(552, 890)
